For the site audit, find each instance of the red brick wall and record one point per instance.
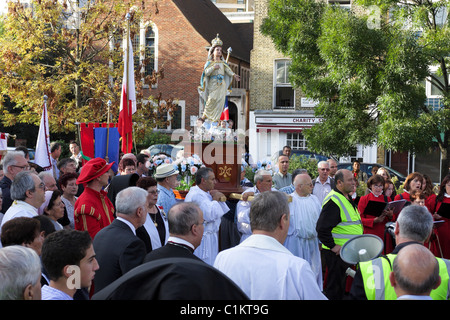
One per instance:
(182, 53)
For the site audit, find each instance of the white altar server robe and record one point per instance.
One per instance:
(265, 270)
(243, 214)
(212, 214)
(302, 238)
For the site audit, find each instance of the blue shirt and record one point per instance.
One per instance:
(49, 293)
(166, 198)
(288, 189)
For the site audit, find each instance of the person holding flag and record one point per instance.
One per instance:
(215, 82)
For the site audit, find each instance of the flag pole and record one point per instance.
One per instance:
(107, 132)
(128, 17)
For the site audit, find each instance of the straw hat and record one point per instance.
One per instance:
(165, 170)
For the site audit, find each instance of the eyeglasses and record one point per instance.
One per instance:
(154, 192)
(324, 169)
(197, 224)
(21, 167)
(377, 186)
(41, 186)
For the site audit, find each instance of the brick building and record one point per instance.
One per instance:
(278, 114)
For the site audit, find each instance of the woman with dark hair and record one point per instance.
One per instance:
(412, 182)
(155, 230)
(376, 224)
(69, 187)
(442, 230)
(389, 189)
(427, 190)
(23, 231)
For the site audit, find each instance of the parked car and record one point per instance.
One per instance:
(168, 149)
(309, 154)
(31, 152)
(367, 168)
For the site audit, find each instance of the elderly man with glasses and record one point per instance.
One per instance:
(323, 184)
(28, 193)
(13, 163)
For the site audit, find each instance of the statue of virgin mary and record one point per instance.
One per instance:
(215, 82)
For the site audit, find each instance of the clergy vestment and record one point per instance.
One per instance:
(243, 214)
(212, 214)
(302, 238)
(265, 270)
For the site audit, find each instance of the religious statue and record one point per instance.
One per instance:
(215, 82)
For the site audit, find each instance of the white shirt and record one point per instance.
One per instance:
(212, 214)
(265, 270)
(321, 190)
(19, 208)
(180, 241)
(153, 233)
(50, 293)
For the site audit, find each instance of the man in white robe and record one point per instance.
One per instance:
(261, 266)
(263, 183)
(302, 238)
(209, 201)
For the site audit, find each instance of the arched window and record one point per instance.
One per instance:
(149, 51)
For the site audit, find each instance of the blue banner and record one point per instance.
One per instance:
(100, 136)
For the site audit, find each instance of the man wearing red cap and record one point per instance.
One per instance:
(93, 209)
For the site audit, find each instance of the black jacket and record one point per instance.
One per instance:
(117, 251)
(172, 279)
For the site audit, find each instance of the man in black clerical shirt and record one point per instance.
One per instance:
(186, 225)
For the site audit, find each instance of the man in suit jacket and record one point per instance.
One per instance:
(173, 272)
(117, 247)
(186, 225)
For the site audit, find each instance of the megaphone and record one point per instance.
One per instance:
(361, 248)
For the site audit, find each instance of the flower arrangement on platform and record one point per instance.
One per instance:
(155, 161)
(213, 133)
(187, 167)
(250, 170)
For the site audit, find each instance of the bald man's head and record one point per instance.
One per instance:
(415, 271)
(303, 185)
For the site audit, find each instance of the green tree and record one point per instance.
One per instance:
(367, 68)
(70, 51)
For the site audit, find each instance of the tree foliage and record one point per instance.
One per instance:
(367, 69)
(70, 51)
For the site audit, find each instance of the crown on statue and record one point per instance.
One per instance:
(216, 41)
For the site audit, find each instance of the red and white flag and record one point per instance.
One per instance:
(42, 153)
(225, 114)
(128, 99)
(3, 141)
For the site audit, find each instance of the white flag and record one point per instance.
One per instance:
(42, 155)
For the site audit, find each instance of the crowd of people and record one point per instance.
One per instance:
(79, 231)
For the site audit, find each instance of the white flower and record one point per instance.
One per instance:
(194, 170)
